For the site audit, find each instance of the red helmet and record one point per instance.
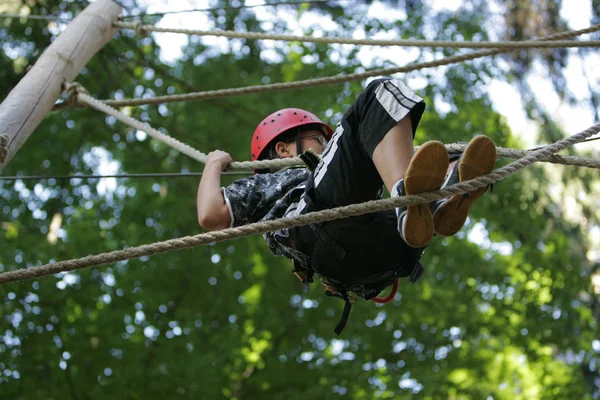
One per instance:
(280, 122)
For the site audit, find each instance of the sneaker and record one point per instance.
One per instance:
(479, 157)
(425, 173)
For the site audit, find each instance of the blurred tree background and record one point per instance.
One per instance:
(507, 309)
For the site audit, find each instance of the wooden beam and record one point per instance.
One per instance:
(35, 95)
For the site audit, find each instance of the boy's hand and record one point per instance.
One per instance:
(219, 157)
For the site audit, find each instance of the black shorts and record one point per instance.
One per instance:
(354, 250)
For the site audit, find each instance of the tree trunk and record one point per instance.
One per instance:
(35, 95)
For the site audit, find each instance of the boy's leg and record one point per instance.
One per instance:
(393, 154)
(373, 145)
(404, 172)
(385, 112)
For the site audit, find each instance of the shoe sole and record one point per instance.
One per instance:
(425, 173)
(478, 159)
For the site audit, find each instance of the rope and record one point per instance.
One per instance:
(176, 144)
(117, 176)
(583, 162)
(3, 147)
(57, 18)
(214, 94)
(287, 3)
(311, 218)
(40, 17)
(453, 148)
(85, 99)
(526, 44)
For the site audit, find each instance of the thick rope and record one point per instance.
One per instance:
(311, 218)
(56, 18)
(39, 17)
(89, 101)
(525, 44)
(176, 144)
(83, 98)
(583, 162)
(3, 147)
(214, 94)
(245, 6)
(167, 175)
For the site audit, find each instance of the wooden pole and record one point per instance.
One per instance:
(35, 95)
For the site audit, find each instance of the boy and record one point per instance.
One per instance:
(372, 145)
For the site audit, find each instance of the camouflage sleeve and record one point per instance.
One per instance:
(250, 199)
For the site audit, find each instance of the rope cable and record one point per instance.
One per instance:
(526, 44)
(176, 144)
(452, 148)
(115, 176)
(288, 3)
(274, 87)
(305, 219)
(81, 95)
(57, 18)
(38, 17)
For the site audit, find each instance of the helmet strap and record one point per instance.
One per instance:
(299, 149)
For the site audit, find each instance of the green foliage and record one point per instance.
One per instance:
(512, 317)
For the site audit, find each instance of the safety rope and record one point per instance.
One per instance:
(38, 17)
(167, 175)
(584, 162)
(453, 148)
(213, 9)
(142, 29)
(77, 94)
(243, 6)
(197, 155)
(274, 87)
(306, 219)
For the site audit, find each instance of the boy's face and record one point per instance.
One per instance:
(311, 139)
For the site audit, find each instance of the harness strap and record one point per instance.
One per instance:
(298, 142)
(303, 275)
(345, 314)
(417, 272)
(301, 272)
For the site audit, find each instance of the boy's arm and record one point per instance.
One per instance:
(213, 212)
